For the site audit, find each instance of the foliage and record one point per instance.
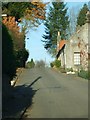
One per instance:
(30, 64)
(21, 57)
(8, 58)
(56, 63)
(14, 30)
(69, 69)
(57, 20)
(40, 63)
(21, 54)
(33, 11)
(51, 64)
(84, 74)
(81, 19)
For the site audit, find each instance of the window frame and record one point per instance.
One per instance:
(77, 59)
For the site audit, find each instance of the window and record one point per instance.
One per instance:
(76, 58)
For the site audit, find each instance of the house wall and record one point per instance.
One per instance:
(81, 36)
(68, 53)
(89, 46)
(89, 37)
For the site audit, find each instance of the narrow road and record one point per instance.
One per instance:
(55, 95)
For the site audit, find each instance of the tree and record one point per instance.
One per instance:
(32, 11)
(73, 20)
(28, 12)
(56, 63)
(30, 64)
(18, 38)
(57, 20)
(21, 57)
(81, 19)
(14, 30)
(40, 63)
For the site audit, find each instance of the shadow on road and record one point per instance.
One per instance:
(35, 81)
(21, 99)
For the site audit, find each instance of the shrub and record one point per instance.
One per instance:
(57, 63)
(21, 57)
(84, 74)
(8, 58)
(69, 69)
(52, 64)
(62, 70)
(30, 64)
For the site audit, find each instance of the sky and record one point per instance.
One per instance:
(34, 44)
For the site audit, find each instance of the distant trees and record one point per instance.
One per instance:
(40, 63)
(57, 20)
(30, 64)
(81, 19)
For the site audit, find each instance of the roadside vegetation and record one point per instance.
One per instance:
(20, 16)
(56, 20)
(40, 63)
(84, 74)
(8, 56)
(56, 63)
(30, 64)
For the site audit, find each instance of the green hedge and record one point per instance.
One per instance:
(84, 74)
(30, 64)
(21, 57)
(56, 63)
(8, 58)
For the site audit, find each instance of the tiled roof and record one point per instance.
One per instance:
(61, 47)
(62, 43)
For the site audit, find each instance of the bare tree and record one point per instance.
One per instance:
(73, 20)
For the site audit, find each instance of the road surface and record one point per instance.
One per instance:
(55, 95)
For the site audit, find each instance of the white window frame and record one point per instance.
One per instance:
(77, 60)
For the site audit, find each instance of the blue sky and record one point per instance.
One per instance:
(34, 44)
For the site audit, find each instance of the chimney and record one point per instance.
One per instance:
(58, 33)
(58, 40)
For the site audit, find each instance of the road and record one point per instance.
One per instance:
(55, 95)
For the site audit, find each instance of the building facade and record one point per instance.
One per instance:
(76, 53)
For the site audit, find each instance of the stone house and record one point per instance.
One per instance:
(75, 52)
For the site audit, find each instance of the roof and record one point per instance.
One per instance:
(62, 43)
(61, 47)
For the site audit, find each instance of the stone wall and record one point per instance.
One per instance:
(78, 42)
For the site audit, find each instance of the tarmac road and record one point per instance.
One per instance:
(58, 95)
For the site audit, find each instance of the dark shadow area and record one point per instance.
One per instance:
(15, 106)
(35, 81)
